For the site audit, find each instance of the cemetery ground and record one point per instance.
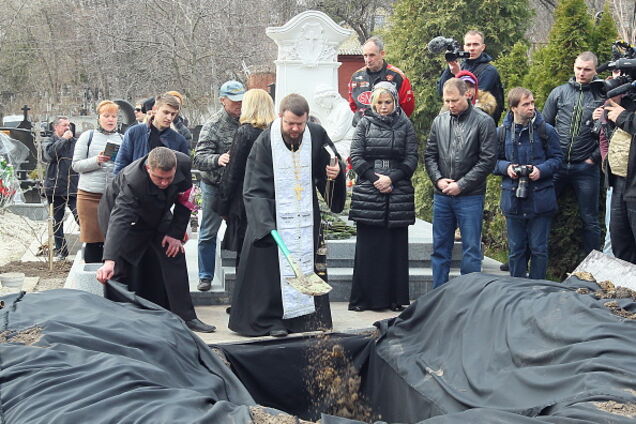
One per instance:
(19, 235)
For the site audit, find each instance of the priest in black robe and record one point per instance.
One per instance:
(257, 305)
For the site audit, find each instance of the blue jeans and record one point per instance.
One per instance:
(208, 228)
(528, 234)
(585, 180)
(448, 212)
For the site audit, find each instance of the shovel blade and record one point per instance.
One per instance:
(310, 284)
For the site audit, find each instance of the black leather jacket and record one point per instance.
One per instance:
(462, 148)
(569, 109)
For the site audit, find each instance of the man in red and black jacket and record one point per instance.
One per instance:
(374, 71)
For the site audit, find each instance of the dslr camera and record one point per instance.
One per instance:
(451, 47)
(522, 171)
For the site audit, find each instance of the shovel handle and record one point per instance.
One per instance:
(281, 244)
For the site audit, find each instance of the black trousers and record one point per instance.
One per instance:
(59, 208)
(623, 223)
(157, 278)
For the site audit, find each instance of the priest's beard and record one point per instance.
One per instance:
(293, 142)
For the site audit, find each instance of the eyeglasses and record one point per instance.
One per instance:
(137, 109)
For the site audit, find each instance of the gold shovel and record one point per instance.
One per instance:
(311, 283)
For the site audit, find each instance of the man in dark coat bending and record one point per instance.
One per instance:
(285, 167)
(143, 246)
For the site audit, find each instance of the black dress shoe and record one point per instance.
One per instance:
(356, 308)
(396, 308)
(278, 333)
(204, 284)
(199, 326)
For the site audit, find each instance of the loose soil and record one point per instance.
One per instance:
(334, 383)
(38, 269)
(261, 416)
(26, 337)
(607, 290)
(617, 408)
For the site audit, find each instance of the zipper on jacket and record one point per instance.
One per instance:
(454, 125)
(576, 122)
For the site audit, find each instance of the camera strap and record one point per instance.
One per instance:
(542, 135)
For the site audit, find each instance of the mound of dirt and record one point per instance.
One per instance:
(38, 269)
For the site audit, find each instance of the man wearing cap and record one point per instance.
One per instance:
(479, 64)
(210, 157)
(376, 69)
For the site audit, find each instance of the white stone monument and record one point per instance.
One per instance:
(307, 64)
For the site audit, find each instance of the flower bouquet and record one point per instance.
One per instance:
(9, 183)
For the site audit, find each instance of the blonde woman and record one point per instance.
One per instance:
(94, 163)
(384, 155)
(257, 113)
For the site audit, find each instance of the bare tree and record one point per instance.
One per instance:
(625, 12)
(360, 15)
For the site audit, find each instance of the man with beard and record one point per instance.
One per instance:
(285, 167)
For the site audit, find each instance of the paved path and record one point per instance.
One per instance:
(343, 321)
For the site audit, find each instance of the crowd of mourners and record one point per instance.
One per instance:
(261, 172)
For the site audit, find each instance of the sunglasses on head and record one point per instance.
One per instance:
(137, 109)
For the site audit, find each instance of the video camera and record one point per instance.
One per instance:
(453, 50)
(624, 59)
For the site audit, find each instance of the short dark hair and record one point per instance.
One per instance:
(162, 158)
(295, 103)
(458, 84)
(515, 95)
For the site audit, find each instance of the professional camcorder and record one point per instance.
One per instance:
(522, 171)
(624, 60)
(451, 47)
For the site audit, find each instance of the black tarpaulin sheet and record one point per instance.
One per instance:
(278, 373)
(96, 361)
(486, 349)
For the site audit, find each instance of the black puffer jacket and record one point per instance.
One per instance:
(462, 148)
(569, 109)
(387, 147)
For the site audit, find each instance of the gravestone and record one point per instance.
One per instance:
(307, 64)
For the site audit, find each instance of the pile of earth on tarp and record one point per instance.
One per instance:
(479, 349)
(72, 357)
(508, 350)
